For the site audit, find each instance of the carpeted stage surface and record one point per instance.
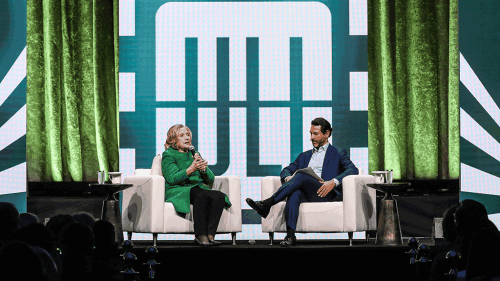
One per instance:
(310, 258)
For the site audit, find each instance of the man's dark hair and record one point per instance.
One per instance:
(325, 125)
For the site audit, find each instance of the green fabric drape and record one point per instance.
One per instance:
(72, 89)
(413, 80)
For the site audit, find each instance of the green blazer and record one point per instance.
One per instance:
(178, 184)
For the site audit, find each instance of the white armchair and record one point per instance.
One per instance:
(357, 211)
(144, 209)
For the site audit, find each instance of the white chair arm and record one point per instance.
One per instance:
(143, 204)
(231, 186)
(360, 207)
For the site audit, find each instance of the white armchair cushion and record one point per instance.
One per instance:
(156, 167)
(312, 218)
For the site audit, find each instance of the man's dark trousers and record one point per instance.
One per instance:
(301, 188)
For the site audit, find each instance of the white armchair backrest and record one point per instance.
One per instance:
(156, 167)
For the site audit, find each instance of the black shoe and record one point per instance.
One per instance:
(289, 241)
(261, 208)
(212, 241)
(202, 240)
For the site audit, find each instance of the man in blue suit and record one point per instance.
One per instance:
(328, 162)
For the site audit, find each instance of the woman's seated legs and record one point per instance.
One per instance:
(207, 210)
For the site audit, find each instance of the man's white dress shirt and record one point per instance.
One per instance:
(317, 159)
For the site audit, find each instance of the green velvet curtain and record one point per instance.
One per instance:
(413, 80)
(72, 89)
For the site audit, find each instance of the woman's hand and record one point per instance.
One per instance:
(198, 165)
(204, 163)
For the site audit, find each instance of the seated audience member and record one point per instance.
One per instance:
(56, 224)
(106, 261)
(481, 240)
(50, 269)
(26, 219)
(77, 243)
(104, 237)
(453, 239)
(84, 217)
(76, 266)
(36, 234)
(19, 262)
(9, 220)
(78, 236)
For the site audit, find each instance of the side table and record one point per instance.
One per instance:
(388, 226)
(111, 207)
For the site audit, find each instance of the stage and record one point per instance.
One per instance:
(364, 260)
(310, 258)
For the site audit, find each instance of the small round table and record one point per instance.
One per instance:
(389, 228)
(111, 207)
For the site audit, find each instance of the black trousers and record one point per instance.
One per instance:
(207, 210)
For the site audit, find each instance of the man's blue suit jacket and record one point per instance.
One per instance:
(336, 165)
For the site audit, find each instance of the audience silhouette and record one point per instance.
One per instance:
(55, 225)
(69, 247)
(79, 247)
(468, 231)
(84, 218)
(77, 242)
(9, 218)
(21, 262)
(26, 219)
(36, 234)
(481, 243)
(453, 239)
(106, 259)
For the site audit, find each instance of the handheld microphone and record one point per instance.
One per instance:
(191, 148)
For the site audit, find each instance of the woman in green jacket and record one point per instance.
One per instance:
(188, 181)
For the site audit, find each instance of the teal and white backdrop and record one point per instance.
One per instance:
(247, 78)
(13, 102)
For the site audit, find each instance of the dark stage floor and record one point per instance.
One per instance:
(362, 261)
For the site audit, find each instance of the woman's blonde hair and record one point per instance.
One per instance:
(172, 136)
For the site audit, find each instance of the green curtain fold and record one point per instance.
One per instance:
(413, 76)
(72, 89)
